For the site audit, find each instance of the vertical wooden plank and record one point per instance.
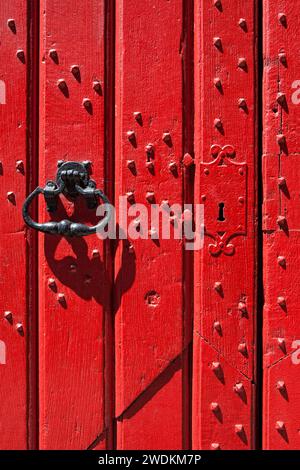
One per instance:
(74, 279)
(225, 269)
(14, 242)
(150, 318)
(282, 223)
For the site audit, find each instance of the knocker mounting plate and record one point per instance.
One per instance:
(72, 179)
(71, 174)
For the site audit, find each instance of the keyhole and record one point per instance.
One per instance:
(221, 217)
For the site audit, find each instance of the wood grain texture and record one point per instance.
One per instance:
(225, 269)
(72, 331)
(281, 115)
(14, 406)
(150, 317)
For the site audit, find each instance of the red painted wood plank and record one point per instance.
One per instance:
(150, 317)
(225, 269)
(14, 242)
(74, 306)
(281, 238)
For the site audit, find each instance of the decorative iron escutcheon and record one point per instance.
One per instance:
(72, 180)
(224, 195)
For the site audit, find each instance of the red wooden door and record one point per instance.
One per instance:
(141, 342)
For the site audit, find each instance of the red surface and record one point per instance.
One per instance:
(225, 275)
(15, 242)
(281, 244)
(72, 332)
(150, 320)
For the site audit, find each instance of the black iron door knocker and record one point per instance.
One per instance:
(72, 179)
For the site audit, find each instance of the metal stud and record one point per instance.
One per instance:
(218, 287)
(216, 365)
(138, 117)
(150, 197)
(239, 429)
(61, 83)
(130, 197)
(281, 302)
(61, 298)
(150, 166)
(215, 407)
(217, 43)
(281, 182)
(149, 150)
(243, 24)
(280, 426)
(281, 99)
(95, 253)
(218, 83)
(87, 104)
(281, 344)
(217, 369)
(97, 87)
(239, 388)
(12, 25)
(281, 261)
(218, 4)
(215, 446)
(281, 221)
(19, 328)
(20, 166)
(51, 283)
(53, 55)
(218, 123)
(281, 140)
(75, 70)
(130, 164)
(242, 308)
(11, 197)
(21, 55)
(282, 58)
(166, 137)
(173, 167)
(8, 316)
(282, 19)
(281, 386)
(131, 136)
(188, 160)
(242, 104)
(218, 327)
(242, 63)
(242, 348)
